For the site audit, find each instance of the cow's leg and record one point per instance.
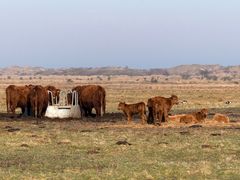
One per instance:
(165, 115)
(129, 118)
(98, 111)
(23, 111)
(13, 109)
(29, 109)
(39, 113)
(158, 118)
(150, 116)
(125, 115)
(144, 118)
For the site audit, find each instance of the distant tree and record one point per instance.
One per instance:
(227, 78)
(154, 80)
(213, 77)
(204, 73)
(99, 78)
(185, 76)
(69, 81)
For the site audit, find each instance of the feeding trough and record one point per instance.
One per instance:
(66, 107)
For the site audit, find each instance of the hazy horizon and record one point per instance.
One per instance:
(135, 33)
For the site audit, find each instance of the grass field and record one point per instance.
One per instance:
(108, 148)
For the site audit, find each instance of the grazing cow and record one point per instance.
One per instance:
(17, 96)
(221, 118)
(159, 107)
(39, 99)
(130, 109)
(196, 117)
(91, 96)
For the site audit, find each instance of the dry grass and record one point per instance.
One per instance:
(88, 149)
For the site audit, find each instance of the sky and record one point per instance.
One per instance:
(133, 33)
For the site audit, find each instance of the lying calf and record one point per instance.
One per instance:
(130, 109)
(196, 117)
(221, 118)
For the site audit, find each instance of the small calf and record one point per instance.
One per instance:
(221, 118)
(196, 117)
(130, 109)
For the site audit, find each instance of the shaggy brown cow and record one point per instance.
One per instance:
(39, 99)
(17, 96)
(91, 96)
(221, 118)
(130, 109)
(159, 107)
(196, 117)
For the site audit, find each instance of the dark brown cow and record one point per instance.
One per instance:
(130, 109)
(91, 96)
(196, 117)
(17, 96)
(39, 99)
(159, 108)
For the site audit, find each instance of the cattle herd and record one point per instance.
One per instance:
(34, 100)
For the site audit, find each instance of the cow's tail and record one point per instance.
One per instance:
(8, 100)
(104, 102)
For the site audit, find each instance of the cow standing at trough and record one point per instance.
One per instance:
(91, 96)
(159, 107)
(17, 97)
(130, 109)
(39, 99)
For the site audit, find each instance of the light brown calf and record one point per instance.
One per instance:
(221, 118)
(130, 109)
(196, 117)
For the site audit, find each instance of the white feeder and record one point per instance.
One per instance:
(63, 108)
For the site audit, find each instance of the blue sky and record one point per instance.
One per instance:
(134, 33)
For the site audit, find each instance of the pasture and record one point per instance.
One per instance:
(108, 148)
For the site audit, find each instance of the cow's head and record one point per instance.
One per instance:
(174, 99)
(121, 105)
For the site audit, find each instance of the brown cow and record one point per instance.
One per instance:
(196, 117)
(130, 109)
(39, 99)
(159, 107)
(17, 96)
(91, 96)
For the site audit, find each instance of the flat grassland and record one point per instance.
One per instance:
(108, 148)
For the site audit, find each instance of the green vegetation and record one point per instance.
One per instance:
(74, 149)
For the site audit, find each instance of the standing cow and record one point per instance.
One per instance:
(17, 96)
(159, 107)
(91, 96)
(39, 99)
